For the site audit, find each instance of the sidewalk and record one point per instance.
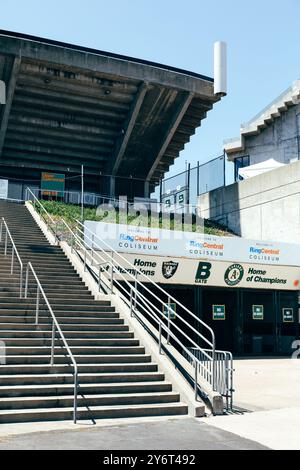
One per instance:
(161, 434)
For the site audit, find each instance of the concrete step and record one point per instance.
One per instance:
(80, 359)
(85, 389)
(45, 320)
(59, 305)
(85, 342)
(66, 328)
(38, 334)
(57, 379)
(91, 400)
(40, 350)
(73, 311)
(93, 412)
(31, 369)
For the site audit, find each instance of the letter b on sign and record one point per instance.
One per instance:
(203, 271)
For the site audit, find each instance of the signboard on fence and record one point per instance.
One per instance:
(161, 242)
(53, 184)
(288, 315)
(218, 312)
(3, 189)
(207, 273)
(257, 312)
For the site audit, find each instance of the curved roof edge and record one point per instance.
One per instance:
(90, 50)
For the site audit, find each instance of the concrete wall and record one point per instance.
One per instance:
(280, 140)
(265, 207)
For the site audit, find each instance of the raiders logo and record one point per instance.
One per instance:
(169, 268)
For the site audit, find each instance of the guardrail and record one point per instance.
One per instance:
(55, 327)
(14, 252)
(114, 271)
(223, 373)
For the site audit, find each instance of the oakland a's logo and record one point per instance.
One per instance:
(169, 268)
(234, 274)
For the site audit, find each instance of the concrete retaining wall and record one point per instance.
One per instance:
(265, 207)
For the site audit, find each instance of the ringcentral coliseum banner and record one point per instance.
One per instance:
(160, 242)
(175, 270)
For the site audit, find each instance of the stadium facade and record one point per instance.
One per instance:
(122, 118)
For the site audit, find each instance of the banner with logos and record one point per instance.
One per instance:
(211, 273)
(160, 242)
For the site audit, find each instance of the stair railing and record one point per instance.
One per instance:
(55, 327)
(112, 270)
(131, 282)
(8, 239)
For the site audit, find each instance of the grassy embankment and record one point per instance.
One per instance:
(71, 212)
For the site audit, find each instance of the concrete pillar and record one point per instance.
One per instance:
(112, 186)
(147, 189)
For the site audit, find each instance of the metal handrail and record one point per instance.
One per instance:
(137, 299)
(150, 309)
(14, 251)
(223, 373)
(150, 281)
(55, 326)
(206, 365)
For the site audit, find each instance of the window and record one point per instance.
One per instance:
(240, 162)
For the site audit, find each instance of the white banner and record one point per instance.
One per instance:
(211, 273)
(160, 242)
(3, 189)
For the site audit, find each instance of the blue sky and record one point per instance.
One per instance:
(262, 35)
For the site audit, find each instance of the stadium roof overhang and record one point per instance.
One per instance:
(68, 105)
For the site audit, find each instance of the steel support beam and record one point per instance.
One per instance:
(9, 99)
(171, 131)
(122, 142)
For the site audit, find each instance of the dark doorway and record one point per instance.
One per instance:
(224, 326)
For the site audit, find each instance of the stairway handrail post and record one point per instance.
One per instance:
(12, 260)
(52, 343)
(37, 305)
(196, 379)
(5, 246)
(14, 251)
(112, 274)
(54, 328)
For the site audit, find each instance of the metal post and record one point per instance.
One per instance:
(75, 396)
(131, 310)
(5, 246)
(82, 189)
(224, 168)
(188, 182)
(196, 380)
(99, 279)
(1, 227)
(21, 281)
(159, 340)
(112, 274)
(12, 260)
(213, 369)
(52, 343)
(169, 315)
(135, 289)
(26, 283)
(93, 237)
(85, 259)
(37, 306)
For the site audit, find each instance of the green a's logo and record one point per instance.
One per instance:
(234, 274)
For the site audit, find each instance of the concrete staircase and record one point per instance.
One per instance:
(116, 377)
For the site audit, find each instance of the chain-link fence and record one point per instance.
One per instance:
(185, 187)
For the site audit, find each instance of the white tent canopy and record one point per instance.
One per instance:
(259, 168)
